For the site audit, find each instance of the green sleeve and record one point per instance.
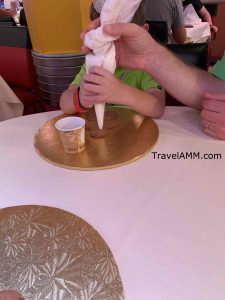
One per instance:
(219, 69)
(147, 82)
(79, 76)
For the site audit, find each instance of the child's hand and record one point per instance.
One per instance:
(100, 86)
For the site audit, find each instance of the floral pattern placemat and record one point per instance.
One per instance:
(48, 253)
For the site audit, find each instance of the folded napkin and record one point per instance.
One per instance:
(10, 104)
(104, 55)
(191, 18)
(199, 33)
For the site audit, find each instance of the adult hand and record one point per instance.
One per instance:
(93, 25)
(134, 46)
(213, 115)
(100, 86)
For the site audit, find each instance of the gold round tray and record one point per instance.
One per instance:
(134, 137)
(49, 253)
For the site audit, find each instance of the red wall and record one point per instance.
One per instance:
(219, 44)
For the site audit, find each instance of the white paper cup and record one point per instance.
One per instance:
(72, 133)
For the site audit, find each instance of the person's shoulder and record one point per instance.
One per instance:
(138, 72)
(142, 75)
(127, 74)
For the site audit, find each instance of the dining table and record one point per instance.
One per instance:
(162, 216)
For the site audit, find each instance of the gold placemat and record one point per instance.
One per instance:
(130, 140)
(49, 254)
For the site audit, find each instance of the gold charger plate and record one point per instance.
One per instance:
(134, 137)
(50, 254)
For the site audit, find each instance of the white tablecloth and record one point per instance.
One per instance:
(198, 33)
(163, 219)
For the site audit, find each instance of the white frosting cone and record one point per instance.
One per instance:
(93, 60)
(104, 54)
(100, 111)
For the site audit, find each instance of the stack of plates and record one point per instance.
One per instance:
(55, 72)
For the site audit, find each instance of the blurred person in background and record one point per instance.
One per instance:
(203, 14)
(170, 11)
(3, 11)
(8, 8)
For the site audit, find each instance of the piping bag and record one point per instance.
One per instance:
(104, 54)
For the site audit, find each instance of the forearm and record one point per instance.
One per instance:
(184, 82)
(205, 15)
(148, 104)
